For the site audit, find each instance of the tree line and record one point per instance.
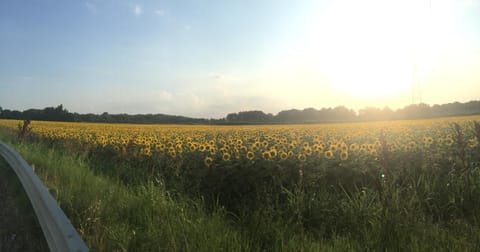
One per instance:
(308, 115)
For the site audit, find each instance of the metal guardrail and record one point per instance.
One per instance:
(59, 233)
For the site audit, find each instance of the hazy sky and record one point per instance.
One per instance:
(208, 58)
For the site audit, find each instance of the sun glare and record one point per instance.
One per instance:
(370, 48)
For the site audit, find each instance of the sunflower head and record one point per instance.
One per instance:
(328, 154)
(302, 157)
(266, 155)
(226, 156)
(208, 161)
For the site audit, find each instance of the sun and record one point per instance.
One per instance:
(369, 73)
(369, 49)
(366, 52)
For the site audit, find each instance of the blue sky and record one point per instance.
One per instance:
(208, 58)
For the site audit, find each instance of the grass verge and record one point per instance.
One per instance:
(19, 228)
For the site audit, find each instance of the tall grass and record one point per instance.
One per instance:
(421, 200)
(19, 228)
(112, 216)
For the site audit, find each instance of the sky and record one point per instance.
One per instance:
(202, 58)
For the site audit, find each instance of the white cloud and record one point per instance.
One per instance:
(91, 7)
(137, 10)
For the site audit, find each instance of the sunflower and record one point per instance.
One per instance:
(213, 151)
(250, 155)
(449, 141)
(147, 152)
(333, 148)
(344, 155)
(265, 144)
(283, 155)
(273, 152)
(208, 161)
(412, 145)
(266, 155)
(328, 154)
(427, 140)
(301, 157)
(160, 147)
(308, 151)
(226, 156)
(354, 147)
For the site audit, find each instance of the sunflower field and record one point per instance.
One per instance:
(321, 180)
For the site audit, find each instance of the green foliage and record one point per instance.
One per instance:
(19, 228)
(420, 198)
